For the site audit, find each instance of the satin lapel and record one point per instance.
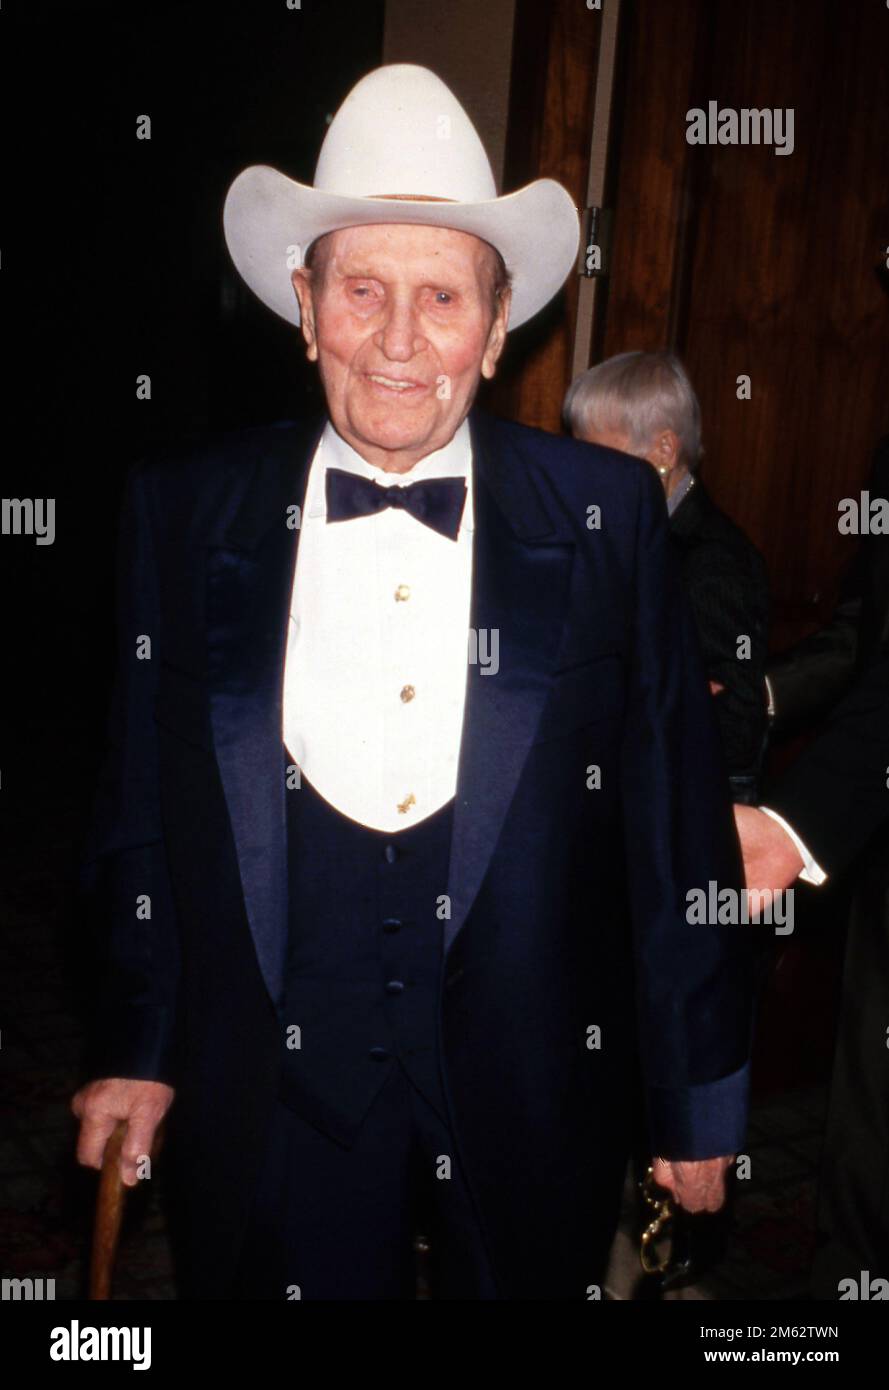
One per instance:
(249, 585)
(521, 576)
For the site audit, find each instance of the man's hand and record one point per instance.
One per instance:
(101, 1104)
(696, 1185)
(771, 860)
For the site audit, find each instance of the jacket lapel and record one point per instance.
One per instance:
(521, 577)
(249, 582)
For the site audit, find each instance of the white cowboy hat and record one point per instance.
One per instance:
(399, 136)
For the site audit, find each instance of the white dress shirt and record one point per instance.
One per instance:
(378, 644)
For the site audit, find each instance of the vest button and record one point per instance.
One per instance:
(380, 1054)
(390, 854)
(391, 924)
(394, 986)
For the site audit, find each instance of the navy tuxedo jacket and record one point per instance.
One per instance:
(591, 798)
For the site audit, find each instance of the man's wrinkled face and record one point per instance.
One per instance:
(401, 322)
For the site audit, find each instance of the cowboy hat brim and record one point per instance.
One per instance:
(270, 221)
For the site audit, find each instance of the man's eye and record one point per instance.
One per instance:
(442, 297)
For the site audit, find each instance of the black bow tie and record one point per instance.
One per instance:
(437, 502)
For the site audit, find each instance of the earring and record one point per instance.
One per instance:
(663, 471)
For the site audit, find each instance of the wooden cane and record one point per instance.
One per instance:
(109, 1211)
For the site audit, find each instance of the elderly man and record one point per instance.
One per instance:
(420, 685)
(643, 403)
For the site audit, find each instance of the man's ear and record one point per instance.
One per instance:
(665, 450)
(301, 279)
(497, 335)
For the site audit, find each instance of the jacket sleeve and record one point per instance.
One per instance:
(729, 598)
(808, 679)
(694, 978)
(813, 674)
(126, 895)
(836, 795)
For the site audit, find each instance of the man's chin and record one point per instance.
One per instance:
(408, 437)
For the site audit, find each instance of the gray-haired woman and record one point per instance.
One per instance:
(643, 403)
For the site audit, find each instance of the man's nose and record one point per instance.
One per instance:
(399, 338)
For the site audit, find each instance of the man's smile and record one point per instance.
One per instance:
(401, 386)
